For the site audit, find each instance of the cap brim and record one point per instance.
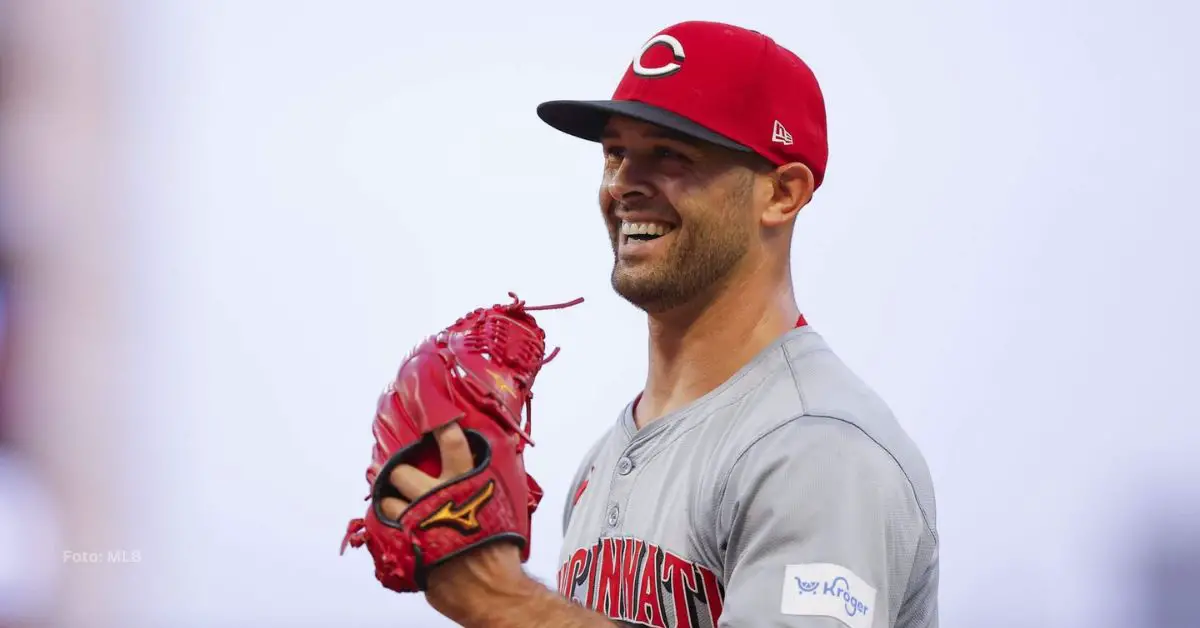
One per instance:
(586, 119)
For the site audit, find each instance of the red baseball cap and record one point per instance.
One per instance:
(716, 82)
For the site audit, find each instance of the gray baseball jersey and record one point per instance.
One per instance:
(789, 496)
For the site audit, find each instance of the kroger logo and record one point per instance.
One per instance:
(838, 588)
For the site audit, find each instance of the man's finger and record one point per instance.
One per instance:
(411, 481)
(456, 451)
(392, 507)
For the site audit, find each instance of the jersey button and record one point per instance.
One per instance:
(614, 515)
(624, 466)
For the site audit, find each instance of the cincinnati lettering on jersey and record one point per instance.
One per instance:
(630, 580)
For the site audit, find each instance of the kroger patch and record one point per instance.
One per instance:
(827, 590)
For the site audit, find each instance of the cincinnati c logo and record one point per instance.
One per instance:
(464, 518)
(664, 70)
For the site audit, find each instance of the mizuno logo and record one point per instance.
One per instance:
(464, 518)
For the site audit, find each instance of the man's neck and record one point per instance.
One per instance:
(696, 348)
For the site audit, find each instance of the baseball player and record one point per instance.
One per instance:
(755, 480)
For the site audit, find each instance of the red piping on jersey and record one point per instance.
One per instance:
(800, 322)
(582, 486)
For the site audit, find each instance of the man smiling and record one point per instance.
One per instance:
(755, 480)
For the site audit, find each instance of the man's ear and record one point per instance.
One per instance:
(791, 189)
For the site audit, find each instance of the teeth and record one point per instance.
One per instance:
(644, 228)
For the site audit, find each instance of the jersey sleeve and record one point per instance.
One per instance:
(820, 530)
(581, 475)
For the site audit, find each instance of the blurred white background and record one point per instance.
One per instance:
(226, 222)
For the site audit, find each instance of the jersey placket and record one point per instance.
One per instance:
(621, 486)
(645, 444)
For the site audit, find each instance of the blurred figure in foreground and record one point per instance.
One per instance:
(60, 435)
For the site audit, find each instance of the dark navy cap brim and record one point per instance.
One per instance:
(586, 120)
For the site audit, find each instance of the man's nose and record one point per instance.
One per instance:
(629, 180)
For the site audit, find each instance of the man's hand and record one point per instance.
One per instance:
(412, 482)
(491, 569)
(484, 586)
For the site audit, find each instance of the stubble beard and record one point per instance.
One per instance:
(701, 255)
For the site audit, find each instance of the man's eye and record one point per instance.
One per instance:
(668, 153)
(614, 152)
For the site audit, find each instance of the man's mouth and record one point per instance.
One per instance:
(644, 231)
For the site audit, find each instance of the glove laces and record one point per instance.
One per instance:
(509, 337)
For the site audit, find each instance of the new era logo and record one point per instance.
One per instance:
(781, 135)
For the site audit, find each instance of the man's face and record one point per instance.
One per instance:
(680, 213)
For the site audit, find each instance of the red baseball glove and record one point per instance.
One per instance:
(480, 373)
